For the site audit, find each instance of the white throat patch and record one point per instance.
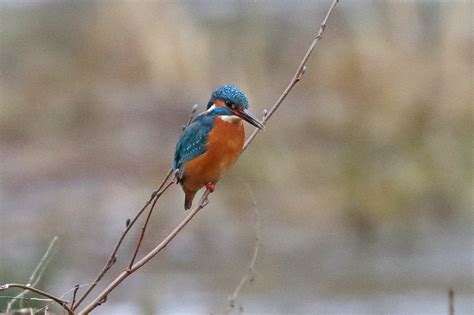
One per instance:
(230, 119)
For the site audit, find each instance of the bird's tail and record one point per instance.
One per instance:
(188, 199)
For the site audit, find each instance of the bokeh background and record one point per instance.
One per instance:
(363, 178)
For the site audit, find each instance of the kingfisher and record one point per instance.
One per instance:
(210, 145)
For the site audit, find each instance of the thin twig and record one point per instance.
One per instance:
(113, 258)
(35, 277)
(61, 302)
(300, 71)
(142, 235)
(451, 310)
(76, 288)
(191, 117)
(250, 274)
(204, 200)
(103, 296)
(64, 294)
(24, 298)
(154, 198)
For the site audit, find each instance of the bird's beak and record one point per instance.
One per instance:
(249, 117)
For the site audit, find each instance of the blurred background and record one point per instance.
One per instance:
(363, 178)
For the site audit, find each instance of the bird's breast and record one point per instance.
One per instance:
(224, 145)
(225, 141)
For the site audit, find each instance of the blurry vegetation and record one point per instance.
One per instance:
(372, 151)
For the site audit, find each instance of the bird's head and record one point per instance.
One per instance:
(228, 100)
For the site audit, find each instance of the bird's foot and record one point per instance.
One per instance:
(211, 187)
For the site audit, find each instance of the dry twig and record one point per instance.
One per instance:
(73, 289)
(103, 296)
(204, 200)
(36, 275)
(142, 235)
(153, 199)
(74, 294)
(300, 71)
(250, 274)
(451, 302)
(61, 302)
(113, 256)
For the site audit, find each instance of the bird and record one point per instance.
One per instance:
(210, 145)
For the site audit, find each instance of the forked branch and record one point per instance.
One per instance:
(103, 296)
(250, 274)
(61, 302)
(113, 256)
(128, 225)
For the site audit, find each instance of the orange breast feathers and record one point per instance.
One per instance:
(224, 146)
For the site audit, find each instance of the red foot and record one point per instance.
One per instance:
(211, 187)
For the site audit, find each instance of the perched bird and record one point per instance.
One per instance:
(210, 145)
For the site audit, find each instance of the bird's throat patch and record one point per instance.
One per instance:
(231, 119)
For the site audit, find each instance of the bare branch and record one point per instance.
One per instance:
(73, 289)
(61, 302)
(113, 258)
(76, 288)
(6, 297)
(142, 235)
(129, 223)
(193, 112)
(250, 274)
(296, 77)
(451, 310)
(35, 277)
(159, 193)
(103, 296)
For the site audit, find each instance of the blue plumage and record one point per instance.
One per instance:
(227, 133)
(193, 140)
(230, 93)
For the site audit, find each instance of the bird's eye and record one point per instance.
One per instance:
(230, 104)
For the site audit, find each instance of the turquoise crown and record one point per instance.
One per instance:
(229, 93)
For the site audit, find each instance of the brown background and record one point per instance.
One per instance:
(363, 179)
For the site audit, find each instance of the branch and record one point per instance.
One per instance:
(154, 198)
(300, 71)
(204, 200)
(76, 288)
(142, 235)
(36, 275)
(113, 258)
(61, 302)
(451, 310)
(73, 290)
(103, 296)
(249, 275)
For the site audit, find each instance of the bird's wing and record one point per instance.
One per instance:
(192, 143)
